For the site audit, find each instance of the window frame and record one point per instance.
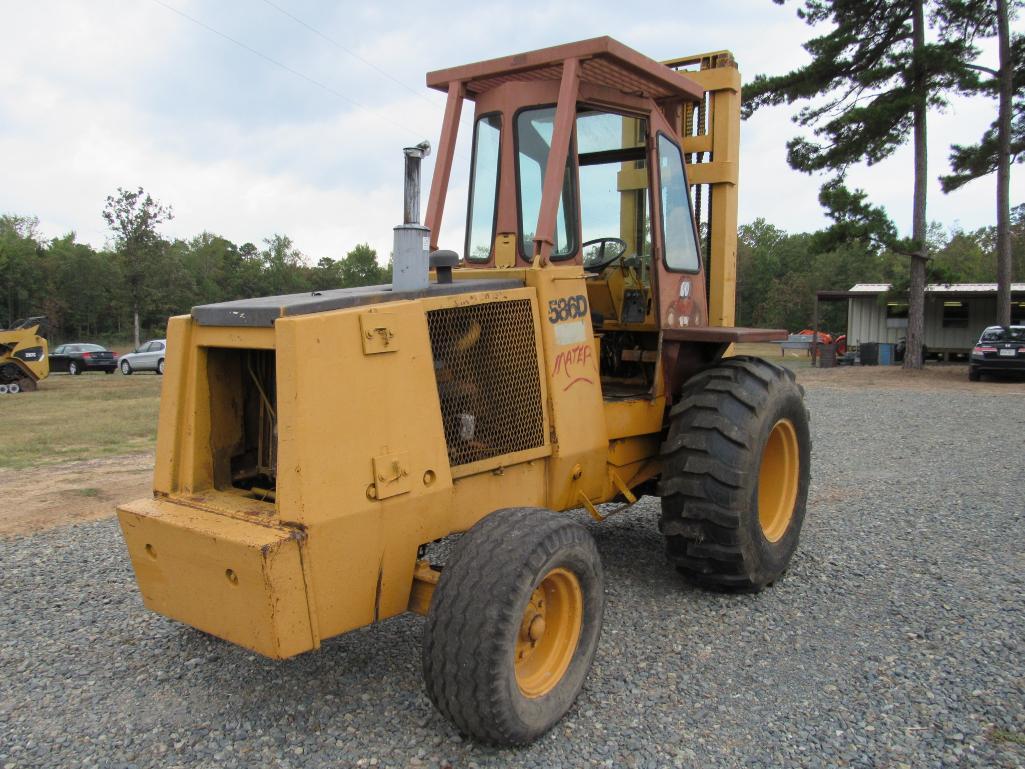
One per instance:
(958, 319)
(473, 185)
(572, 228)
(690, 207)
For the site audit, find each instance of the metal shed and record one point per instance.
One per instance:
(955, 314)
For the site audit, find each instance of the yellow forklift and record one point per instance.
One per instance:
(312, 447)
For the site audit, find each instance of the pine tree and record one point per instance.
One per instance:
(1003, 143)
(133, 218)
(872, 79)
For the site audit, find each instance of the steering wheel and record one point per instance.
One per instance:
(608, 250)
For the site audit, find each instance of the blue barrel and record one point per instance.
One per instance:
(887, 354)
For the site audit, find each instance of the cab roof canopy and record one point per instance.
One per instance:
(603, 61)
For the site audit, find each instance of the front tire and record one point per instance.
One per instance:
(513, 625)
(735, 472)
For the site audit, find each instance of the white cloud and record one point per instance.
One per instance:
(115, 93)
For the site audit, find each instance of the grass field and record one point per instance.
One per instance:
(79, 417)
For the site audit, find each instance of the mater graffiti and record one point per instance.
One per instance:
(574, 365)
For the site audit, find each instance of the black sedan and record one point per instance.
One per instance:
(76, 358)
(999, 349)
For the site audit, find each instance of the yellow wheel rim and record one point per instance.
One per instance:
(548, 634)
(778, 479)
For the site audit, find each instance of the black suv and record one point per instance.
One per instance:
(1000, 348)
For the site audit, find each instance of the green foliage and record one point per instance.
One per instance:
(870, 81)
(133, 218)
(973, 161)
(19, 247)
(84, 291)
(855, 220)
(89, 294)
(778, 273)
(864, 80)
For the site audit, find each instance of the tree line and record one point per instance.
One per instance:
(778, 272)
(92, 294)
(95, 294)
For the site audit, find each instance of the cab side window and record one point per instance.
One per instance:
(677, 219)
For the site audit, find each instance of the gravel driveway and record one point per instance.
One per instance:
(896, 639)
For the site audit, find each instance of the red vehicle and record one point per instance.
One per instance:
(824, 338)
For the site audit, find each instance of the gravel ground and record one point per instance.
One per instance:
(897, 639)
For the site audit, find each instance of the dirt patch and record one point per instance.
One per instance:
(935, 376)
(44, 497)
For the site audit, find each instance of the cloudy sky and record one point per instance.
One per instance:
(253, 117)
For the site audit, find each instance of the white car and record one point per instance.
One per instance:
(149, 356)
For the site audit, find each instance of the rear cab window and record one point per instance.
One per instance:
(1012, 334)
(534, 129)
(480, 220)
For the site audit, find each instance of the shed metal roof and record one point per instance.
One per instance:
(937, 288)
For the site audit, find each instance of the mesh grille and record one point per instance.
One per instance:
(485, 364)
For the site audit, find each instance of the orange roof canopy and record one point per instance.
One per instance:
(603, 61)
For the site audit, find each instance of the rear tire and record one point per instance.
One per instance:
(513, 625)
(126, 368)
(974, 375)
(735, 472)
(160, 367)
(13, 388)
(74, 368)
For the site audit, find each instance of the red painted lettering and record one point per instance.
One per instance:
(574, 365)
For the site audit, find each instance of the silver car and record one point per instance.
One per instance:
(149, 356)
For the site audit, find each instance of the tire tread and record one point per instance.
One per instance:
(704, 490)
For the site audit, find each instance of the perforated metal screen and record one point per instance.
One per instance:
(485, 363)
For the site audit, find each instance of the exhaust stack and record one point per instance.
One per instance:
(410, 259)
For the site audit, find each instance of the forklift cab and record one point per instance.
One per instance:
(577, 160)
